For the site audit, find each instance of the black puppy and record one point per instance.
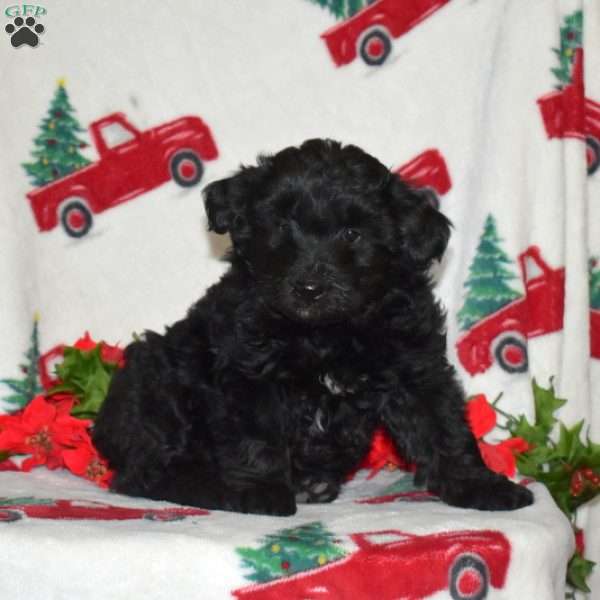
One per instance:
(323, 329)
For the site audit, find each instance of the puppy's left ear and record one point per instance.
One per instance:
(423, 230)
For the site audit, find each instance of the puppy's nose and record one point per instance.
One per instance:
(308, 290)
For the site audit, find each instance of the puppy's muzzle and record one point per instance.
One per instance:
(308, 290)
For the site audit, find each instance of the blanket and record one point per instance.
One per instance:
(382, 538)
(115, 115)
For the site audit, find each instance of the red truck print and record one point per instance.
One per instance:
(567, 113)
(392, 564)
(130, 163)
(413, 496)
(595, 333)
(369, 33)
(503, 335)
(14, 509)
(429, 173)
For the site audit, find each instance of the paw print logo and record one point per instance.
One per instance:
(24, 31)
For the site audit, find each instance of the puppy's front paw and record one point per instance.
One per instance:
(311, 490)
(274, 499)
(485, 493)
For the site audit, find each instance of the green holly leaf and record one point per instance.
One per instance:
(534, 435)
(592, 454)
(537, 457)
(555, 463)
(4, 456)
(84, 374)
(529, 467)
(569, 446)
(578, 571)
(546, 404)
(95, 391)
(563, 499)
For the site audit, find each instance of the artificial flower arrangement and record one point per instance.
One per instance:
(53, 430)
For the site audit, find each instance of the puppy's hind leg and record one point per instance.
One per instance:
(309, 490)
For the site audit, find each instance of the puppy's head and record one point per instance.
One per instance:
(324, 229)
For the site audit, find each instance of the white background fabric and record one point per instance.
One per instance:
(464, 81)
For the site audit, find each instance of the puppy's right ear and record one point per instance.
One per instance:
(217, 203)
(226, 201)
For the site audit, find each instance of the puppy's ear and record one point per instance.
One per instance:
(423, 230)
(226, 200)
(217, 203)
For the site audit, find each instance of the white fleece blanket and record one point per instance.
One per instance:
(62, 538)
(491, 90)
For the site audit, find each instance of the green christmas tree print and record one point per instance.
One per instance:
(291, 551)
(594, 272)
(28, 386)
(571, 38)
(405, 484)
(56, 152)
(342, 9)
(487, 284)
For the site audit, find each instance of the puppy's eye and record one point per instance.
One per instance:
(283, 225)
(350, 235)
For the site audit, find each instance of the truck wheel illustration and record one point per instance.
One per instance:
(375, 46)
(76, 218)
(8, 516)
(468, 578)
(511, 353)
(186, 168)
(592, 154)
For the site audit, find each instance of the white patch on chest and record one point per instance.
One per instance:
(318, 422)
(332, 385)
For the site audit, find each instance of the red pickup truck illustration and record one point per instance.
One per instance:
(392, 564)
(14, 509)
(567, 113)
(503, 335)
(369, 33)
(130, 163)
(414, 496)
(429, 173)
(595, 333)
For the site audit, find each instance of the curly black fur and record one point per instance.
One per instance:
(324, 328)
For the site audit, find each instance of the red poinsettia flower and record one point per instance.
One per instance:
(500, 457)
(112, 354)
(382, 454)
(43, 430)
(85, 342)
(109, 354)
(8, 465)
(481, 416)
(85, 461)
